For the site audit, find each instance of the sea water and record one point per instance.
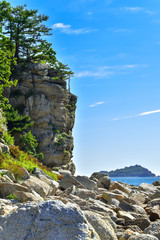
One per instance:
(135, 180)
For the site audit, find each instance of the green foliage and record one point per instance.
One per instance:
(24, 28)
(6, 60)
(12, 196)
(61, 137)
(17, 160)
(25, 31)
(9, 140)
(17, 122)
(29, 145)
(63, 71)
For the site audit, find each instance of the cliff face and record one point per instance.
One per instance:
(43, 95)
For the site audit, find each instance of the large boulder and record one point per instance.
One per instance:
(7, 188)
(154, 229)
(51, 220)
(104, 182)
(102, 227)
(68, 181)
(98, 175)
(85, 181)
(37, 185)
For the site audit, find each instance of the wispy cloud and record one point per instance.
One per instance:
(98, 73)
(133, 9)
(137, 10)
(69, 30)
(96, 104)
(107, 71)
(138, 115)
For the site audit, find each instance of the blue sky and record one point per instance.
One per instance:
(113, 47)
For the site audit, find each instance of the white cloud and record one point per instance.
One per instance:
(89, 13)
(137, 9)
(93, 74)
(68, 29)
(138, 115)
(148, 113)
(106, 71)
(133, 9)
(96, 104)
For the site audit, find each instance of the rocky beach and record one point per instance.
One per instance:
(77, 207)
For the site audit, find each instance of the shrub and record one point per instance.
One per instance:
(29, 145)
(9, 140)
(18, 158)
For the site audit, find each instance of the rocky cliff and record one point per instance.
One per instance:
(42, 94)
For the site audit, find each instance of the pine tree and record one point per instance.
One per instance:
(25, 29)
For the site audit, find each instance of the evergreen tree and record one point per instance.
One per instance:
(24, 28)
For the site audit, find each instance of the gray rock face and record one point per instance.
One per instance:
(51, 108)
(51, 220)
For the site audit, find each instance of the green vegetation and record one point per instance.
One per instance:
(17, 160)
(12, 196)
(132, 171)
(9, 140)
(29, 145)
(25, 32)
(17, 122)
(22, 42)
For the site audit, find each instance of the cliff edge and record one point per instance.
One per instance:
(42, 94)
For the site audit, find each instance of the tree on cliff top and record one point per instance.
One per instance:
(25, 30)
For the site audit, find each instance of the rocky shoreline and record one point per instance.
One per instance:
(77, 207)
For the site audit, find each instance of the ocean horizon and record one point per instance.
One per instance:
(135, 180)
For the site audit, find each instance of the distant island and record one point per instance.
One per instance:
(132, 171)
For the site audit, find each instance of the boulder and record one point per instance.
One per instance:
(103, 228)
(142, 237)
(39, 186)
(125, 215)
(68, 181)
(127, 234)
(5, 172)
(85, 193)
(139, 197)
(27, 196)
(85, 181)
(148, 188)
(46, 220)
(107, 196)
(104, 182)
(47, 179)
(154, 229)
(7, 188)
(156, 183)
(98, 175)
(142, 223)
(120, 186)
